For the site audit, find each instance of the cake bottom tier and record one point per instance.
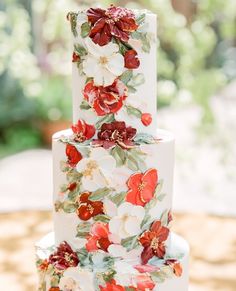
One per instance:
(61, 269)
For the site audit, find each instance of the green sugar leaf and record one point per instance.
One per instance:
(100, 194)
(140, 19)
(83, 229)
(84, 105)
(133, 111)
(85, 29)
(80, 50)
(105, 119)
(118, 198)
(119, 154)
(145, 138)
(126, 76)
(102, 218)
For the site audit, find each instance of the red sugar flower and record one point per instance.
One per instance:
(115, 133)
(131, 59)
(115, 22)
(73, 155)
(176, 266)
(88, 208)
(105, 100)
(112, 286)
(142, 187)
(64, 257)
(54, 289)
(153, 241)
(146, 119)
(82, 131)
(98, 238)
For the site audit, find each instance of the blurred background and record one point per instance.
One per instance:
(196, 101)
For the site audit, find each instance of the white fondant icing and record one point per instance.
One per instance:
(159, 156)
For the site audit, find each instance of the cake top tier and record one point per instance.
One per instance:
(114, 67)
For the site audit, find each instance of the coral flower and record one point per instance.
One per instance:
(153, 241)
(105, 100)
(113, 22)
(142, 187)
(82, 131)
(144, 282)
(73, 155)
(88, 208)
(176, 266)
(64, 257)
(115, 133)
(98, 238)
(112, 286)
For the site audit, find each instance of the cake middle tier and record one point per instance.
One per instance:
(121, 192)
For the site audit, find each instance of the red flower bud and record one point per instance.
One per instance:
(146, 119)
(131, 59)
(75, 57)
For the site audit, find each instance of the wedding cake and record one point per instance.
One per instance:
(113, 170)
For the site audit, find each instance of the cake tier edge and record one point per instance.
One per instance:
(158, 275)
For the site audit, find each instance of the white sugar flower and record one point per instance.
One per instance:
(124, 273)
(97, 169)
(75, 279)
(103, 63)
(127, 221)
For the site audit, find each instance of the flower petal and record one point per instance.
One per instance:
(91, 66)
(132, 225)
(116, 64)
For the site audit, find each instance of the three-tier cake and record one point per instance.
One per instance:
(113, 170)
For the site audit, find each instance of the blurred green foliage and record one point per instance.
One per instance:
(195, 59)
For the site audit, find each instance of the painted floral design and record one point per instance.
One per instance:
(98, 238)
(144, 282)
(142, 187)
(134, 111)
(153, 241)
(103, 64)
(82, 131)
(87, 208)
(73, 155)
(114, 133)
(97, 169)
(146, 119)
(115, 22)
(176, 266)
(112, 286)
(64, 257)
(105, 100)
(127, 220)
(75, 279)
(54, 289)
(131, 59)
(43, 266)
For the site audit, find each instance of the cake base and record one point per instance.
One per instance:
(88, 280)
